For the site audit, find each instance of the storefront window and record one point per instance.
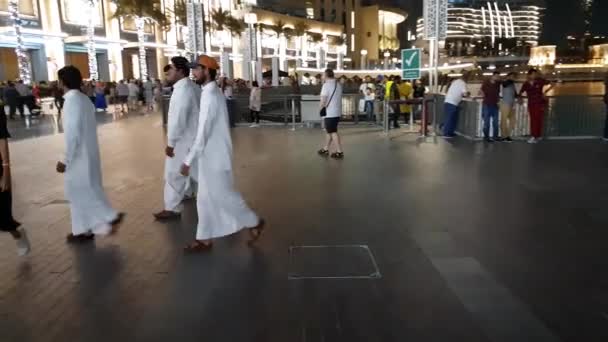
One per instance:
(72, 13)
(26, 7)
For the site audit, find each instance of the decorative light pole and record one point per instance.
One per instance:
(387, 55)
(251, 19)
(363, 59)
(23, 59)
(91, 51)
(435, 29)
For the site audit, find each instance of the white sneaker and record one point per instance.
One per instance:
(23, 244)
(532, 141)
(254, 126)
(605, 139)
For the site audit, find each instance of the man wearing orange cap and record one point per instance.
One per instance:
(221, 209)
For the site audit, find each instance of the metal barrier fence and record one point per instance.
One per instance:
(288, 108)
(565, 117)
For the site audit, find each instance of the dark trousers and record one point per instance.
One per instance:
(537, 114)
(231, 112)
(59, 104)
(490, 114)
(255, 116)
(451, 119)
(395, 116)
(17, 106)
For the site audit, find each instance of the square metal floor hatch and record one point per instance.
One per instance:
(332, 262)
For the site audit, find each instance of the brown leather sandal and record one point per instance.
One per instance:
(256, 232)
(198, 247)
(80, 238)
(116, 223)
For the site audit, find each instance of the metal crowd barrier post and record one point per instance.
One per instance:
(285, 107)
(293, 114)
(385, 116)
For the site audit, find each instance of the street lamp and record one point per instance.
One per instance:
(363, 59)
(250, 20)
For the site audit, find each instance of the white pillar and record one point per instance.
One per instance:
(275, 71)
(340, 61)
(53, 47)
(304, 48)
(226, 70)
(258, 72)
(283, 51)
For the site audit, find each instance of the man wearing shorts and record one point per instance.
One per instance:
(331, 100)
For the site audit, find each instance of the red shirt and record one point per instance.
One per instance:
(491, 93)
(534, 91)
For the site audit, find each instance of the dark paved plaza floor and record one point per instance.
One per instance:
(403, 240)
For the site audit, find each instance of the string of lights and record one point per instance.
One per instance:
(143, 67)
(23, 58)
(92, 54)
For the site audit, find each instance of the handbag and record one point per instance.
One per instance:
(323, 111)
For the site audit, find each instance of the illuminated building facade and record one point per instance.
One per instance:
(490, 28)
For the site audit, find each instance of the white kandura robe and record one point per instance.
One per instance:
(89, 206)
(181, 131)
(221, 209)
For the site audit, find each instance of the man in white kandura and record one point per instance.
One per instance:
(91, 212)
(181, 130)
(221, 209)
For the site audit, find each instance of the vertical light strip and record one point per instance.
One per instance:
(492, 23)
(511, 20)
(498, 20)
(507, 33)
(352, 42)
(483, 16)
(352, 19)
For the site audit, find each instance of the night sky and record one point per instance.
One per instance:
(555, 27)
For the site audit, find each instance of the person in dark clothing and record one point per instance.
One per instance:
(7, 222)
(605, 137)
(11, 97)
(58, 99)
(491, 95)
(393, 95)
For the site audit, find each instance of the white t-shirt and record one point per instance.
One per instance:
(363, 87)
(456, 91)
(334, 108)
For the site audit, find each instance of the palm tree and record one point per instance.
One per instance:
(317, 38)
(92, 54)
(220, 19)
(180, 16)
(180, 13)
(142, 12)
(23, 59)
(279, 28)
(340, 42)
(299, 30)
(236, 26)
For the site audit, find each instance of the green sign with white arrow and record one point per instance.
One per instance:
(410, 64)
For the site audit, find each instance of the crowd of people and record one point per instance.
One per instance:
(124, 96)
(497, 108)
